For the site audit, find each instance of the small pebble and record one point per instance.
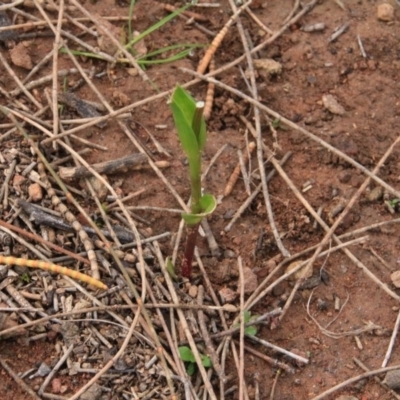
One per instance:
(299, 273)
(332, 105)
(375, 194)
(56, 385)
(229, 254)
(395, 278)
(35, 192)
(271, 67)
(250, 280)
(193, 291)
(392, 379)
(385, 12)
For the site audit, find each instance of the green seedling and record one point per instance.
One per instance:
(192, 133)
(149, 58)
(394, 203)
(252, 329)
(186, 354)
(130, 17)
(25, 277)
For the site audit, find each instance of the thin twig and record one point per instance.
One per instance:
(366, 369)
(392, 341)
(353, 380)
(256, 191)
(18, 380)
(207, 340)
(58, 365)
(241, 334)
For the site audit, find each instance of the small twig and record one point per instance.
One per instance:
(339, 32)
(256, 191)
(245, 175)
(353, 380)
(278, 349)
(272, 394)
(360, 44)
(19, 83)
(241, 334)
(60, 362)
(260, 293)
(207, 340)
(366, 369)
(106, 167)
(235, 174)
(212, 243)
(7, 179)
(292, 12)
(381, 260)
(187, 332)
(18, 380)
(392, 340)
(43, 241)
(232, 331)
(273, 362)
(258, 21)
(45, 79)
(367, 328)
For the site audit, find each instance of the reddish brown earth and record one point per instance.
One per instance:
(367, 88)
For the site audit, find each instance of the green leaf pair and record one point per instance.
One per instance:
(187, 355)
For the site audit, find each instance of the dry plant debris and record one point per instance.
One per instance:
(302, 110)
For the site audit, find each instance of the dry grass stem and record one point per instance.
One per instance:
(376, 379)
(353, 380)
(392, 341)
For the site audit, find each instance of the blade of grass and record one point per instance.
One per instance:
(130, 15)
(188, 46)
(156, 26)
(173, 58)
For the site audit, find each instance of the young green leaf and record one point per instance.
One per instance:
(171, 269)
(206, 361)
(191, 367)
(183, 101)
(186, 354)
(250, 330)
(184, 128)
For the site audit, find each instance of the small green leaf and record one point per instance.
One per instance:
(206, 361)
(276, 122)
(186, 354)
(250, 330)
(171, 269)
(25, 277)
(191, 367)
(246, 316)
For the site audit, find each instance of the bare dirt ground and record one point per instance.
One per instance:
(345, 310)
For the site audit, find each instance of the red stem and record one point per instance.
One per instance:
(186, 267)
